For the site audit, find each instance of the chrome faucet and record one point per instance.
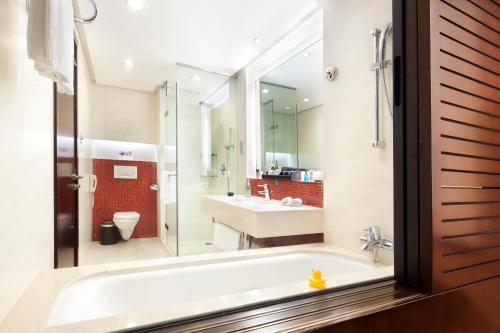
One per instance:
(372, 242)
(265, 191)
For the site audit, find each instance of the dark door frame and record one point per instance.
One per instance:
(75, 147)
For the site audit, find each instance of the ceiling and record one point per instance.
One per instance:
(214, 34)
(304, 72)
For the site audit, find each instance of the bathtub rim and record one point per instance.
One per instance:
(40, 297)
(264, 300)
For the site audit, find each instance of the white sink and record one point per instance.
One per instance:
(262, 218)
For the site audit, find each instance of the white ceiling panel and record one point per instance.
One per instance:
(213, 34)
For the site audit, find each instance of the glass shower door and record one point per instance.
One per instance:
(168, 169)
(207, 152)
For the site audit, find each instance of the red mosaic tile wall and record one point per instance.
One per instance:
(310, 193)
(119, 195)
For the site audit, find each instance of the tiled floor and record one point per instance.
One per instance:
(133, 249)
(187, 248)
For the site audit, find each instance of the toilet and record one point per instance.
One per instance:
(126, 222)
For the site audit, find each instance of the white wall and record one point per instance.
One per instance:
(359, 178)
(85, 196)
(119, 114)
(26, 191)
(310, 138)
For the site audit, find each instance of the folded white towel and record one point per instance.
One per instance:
(286, 201)
(226, 238)
(297, 202)
(50, 41)
(168, 187)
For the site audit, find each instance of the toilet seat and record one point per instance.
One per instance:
(126, 216)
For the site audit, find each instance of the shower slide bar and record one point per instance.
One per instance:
(378, 65)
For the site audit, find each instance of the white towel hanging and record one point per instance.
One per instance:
(50, 41)
(226, 238)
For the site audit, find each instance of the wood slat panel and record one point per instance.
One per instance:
(469, 179)
(468, 101)
(464, 68)
(467, 148)
(465, 141)
(488, 6)
(468, 275)
(451, 212)
(461, 244)
(467, 38)
(468, 227)
(470, 133)
(471, 164)
(464, 195)
(484, 29)
(467, 54)
(472, 117)
(456, 262)
(475, 12)
(469, 86)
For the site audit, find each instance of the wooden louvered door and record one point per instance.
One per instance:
(465, 138)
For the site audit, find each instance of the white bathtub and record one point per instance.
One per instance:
(113, 294)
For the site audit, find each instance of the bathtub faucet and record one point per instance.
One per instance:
(372, 242)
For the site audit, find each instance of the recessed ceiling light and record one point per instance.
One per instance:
(195, 78)
(288, 108)
(129, 64)
(306, 100)
(257, 40)
(265, 91)
(136, 4)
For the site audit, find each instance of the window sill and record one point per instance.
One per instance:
(304, 314)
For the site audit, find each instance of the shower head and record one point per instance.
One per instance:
(386, 30)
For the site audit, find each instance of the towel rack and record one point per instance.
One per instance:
(84, 20)
(90, 19)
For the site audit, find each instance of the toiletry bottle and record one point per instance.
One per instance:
(311, 176)
(306, 176)
(248, 188)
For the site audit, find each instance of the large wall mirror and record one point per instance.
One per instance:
(291, 112)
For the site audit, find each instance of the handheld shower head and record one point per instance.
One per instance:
(386, 31)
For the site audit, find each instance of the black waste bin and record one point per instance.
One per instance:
(109, 233)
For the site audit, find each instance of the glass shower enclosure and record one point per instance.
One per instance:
(199, 135)
(168, 168)
(278, 117)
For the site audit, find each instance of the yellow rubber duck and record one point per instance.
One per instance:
(316, 281)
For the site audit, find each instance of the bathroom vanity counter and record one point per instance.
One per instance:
(262, 218)
(50, 299)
